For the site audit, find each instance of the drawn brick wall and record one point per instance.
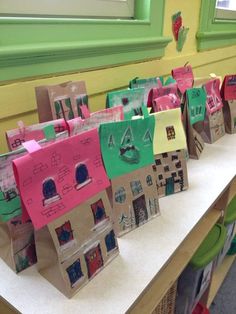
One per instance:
(171, 172)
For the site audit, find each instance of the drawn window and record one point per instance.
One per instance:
(81, 101)
(165, 155)
(147, 138)
(170, 131)
(120, 195)
(74, 272)
(50, 192)
(125, 101)
(166, 168)
(178, 164)
(158, 162)
(136, 187)
(64, 233)
(82, 176)
(149, 180)
(180, 173)
(99, 213)
(17, 142)
(110, 241)
(63, 109)
(174, 157)
(160, 177)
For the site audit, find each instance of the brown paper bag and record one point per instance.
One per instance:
(228, 93)
(193, 120)
(61, 101)
(195, 141)
(134, 199)
(229, 111)
(17, 247)
(72, 249)
(213, 127)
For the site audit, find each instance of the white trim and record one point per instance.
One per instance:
(88, 8)
(225, 10)
(225, 14)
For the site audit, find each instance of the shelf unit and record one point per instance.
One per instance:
(151, 257)
(219, 276)
(222, 270)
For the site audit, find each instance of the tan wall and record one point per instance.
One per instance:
(18, 100)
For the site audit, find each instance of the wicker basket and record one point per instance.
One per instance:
(167, 304)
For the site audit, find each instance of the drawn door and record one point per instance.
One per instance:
(94, 260)
(170, 186)
(140, 210)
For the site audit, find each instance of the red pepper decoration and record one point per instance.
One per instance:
(176, 24)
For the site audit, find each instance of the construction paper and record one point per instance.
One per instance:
(79, 125)
(229, 87)
(16, 137)
(131, 99)
(169, 133)
(166, 102)
(55, 179)
(31, 146)
(10, 205)
(127, 145)
(49, 132)
(196, 102)
(214, 101)
(170, 87)
(147, 84)
(183, 77)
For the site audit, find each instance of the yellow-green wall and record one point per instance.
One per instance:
(18, 100)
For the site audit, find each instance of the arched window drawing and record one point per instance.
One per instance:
(81, 176)
(50, 192)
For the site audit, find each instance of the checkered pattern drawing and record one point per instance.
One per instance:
(170, 131)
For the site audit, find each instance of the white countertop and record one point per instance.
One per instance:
(143, 252)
